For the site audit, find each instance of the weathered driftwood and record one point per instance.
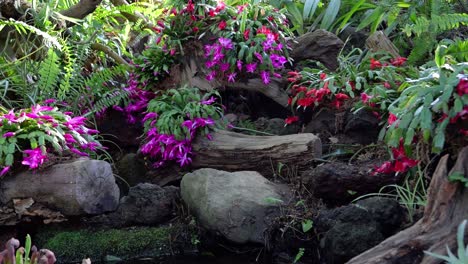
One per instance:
(79, 187)
(319, 45)
(447, 207)
(379, 42)
(234, 151)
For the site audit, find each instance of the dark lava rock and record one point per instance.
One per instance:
(145, 204)
(346, 240)
(275, 126)
(362, 127)
(339, 183)
(352, 229)
(132, 169)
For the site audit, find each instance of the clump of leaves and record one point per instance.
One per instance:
(39, 130)
(174, 119)
(25, 255)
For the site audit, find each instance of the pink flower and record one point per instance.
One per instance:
(222, 25)
(211, 100)
(375, 64)
(232, 77)
(259, 57)
(278, 61)
(246, 34)
(265, 77)
(392, 118)
(226, 43)
(69, 138)
(34, 159)
(211, 76)
(462, 87)
(11, 117)
(239, 65)
(4, 171)
(224, 67)
(251, 67)
(385, 168)
(83, 154)
(49, 101)
(9, 134)
(220, 7)
(365, 98)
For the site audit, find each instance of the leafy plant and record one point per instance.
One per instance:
(462, 251)
(25, 255)
(299, 255)
(39, 130)
(172, 122)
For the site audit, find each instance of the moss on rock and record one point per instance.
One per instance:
(73, 246)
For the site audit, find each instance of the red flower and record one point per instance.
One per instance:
(290, 100)
(291, 119)
(374, 64)
(246, 34)
(463, 114)
(462, 87)
(160, 23)
(220, 6)
(387, 85)
(211, 13)
(385, 168)
(341, 96)
(464, 132)
(264, 30)
(392, 118)
(352, 84)
(305, 102)
(403, 164)
(323, 76)
(222, 25)
(190, 7)
(195, 29)
(398, 61)
(365, 98)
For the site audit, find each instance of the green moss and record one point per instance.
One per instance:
(72, 246)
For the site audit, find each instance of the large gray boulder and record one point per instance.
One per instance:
(79, 187)
(239, 206)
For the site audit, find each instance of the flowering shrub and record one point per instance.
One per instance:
(39, 130)
(427, 105)
(173, 120)
(250, 39)
(153, 64)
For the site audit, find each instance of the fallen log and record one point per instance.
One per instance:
(79, 187)
(238, 152)
(447, 207)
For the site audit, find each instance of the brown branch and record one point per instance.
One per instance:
(81, 9)
(110, 53)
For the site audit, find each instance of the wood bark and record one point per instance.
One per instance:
(379, 42)
(447, 207)
(235, 152)
(79, 187)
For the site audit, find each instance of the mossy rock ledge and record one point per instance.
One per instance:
(126, 244)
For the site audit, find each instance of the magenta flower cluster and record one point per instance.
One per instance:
(162, 147)
(138, 99)
(219, 55)
(39, 130)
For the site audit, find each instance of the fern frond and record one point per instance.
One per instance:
(436, 24)
(458, 50)
(422, 47)
(110, 99)
(49, 71)
(23, 28)
(68, 61)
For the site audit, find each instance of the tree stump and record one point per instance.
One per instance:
(447, 207)
(379, 42)
(238, 152)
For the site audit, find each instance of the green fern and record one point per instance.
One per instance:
(49, 71)
(110, 99)
(458, 50)
(436, 24)
(23, 28)
(68, 61)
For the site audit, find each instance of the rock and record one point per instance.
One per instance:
(275, 126)
(145, 204)
(239, 206)
(339, 183)
(362, 127)
(323, 124)
(132, 169)
(79, 187)
(319, 45)
(353, 38)
(352, 229)
(385, 211)
(128, 244)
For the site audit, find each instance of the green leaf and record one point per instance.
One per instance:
(307, 225)
(9, 160)
(309, 8)
(330, 14)
(373, 16)
(11, 148)
(296, 16)
(33, 142)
